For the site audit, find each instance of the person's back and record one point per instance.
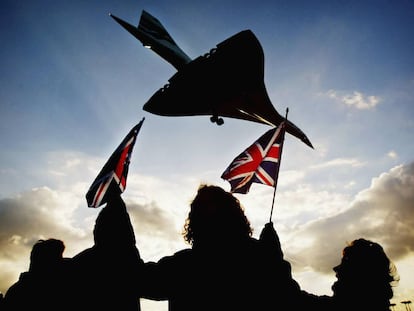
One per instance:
(45, 286)
(226, 269)
(105, 275)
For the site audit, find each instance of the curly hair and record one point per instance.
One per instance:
(215, 214)
(366, 268)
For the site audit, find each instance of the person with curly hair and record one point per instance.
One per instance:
(365, 280)
(225, 268)
(365, 277)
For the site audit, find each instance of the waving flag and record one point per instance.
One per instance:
(257, 164)
(112, 178)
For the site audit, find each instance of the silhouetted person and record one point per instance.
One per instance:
(365, 280)
(44, 286)
(105, 275)
(225, 268)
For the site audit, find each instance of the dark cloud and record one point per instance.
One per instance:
(28, 217)
(24, 219)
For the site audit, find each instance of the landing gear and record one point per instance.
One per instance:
(216, 119)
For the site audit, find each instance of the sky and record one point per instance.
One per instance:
(73, 83)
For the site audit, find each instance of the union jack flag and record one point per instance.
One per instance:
(112, 178)
(257, 164)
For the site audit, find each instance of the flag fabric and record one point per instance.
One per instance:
(112, 178)
(259, 163)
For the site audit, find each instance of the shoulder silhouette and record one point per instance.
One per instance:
(45, 285)
(106, 274)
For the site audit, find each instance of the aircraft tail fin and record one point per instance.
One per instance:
(153, 34)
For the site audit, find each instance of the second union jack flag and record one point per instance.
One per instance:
(257, 164)
(112, 178)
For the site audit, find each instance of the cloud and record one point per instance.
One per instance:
(392, 154)
(36, 214)
(357, 99)
(32, 215)
(43, 213)
(339, 162)
(155, 229)
(382, 213)
(314, 224)
(60, 211)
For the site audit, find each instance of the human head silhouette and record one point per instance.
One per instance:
(215, 216)
(46, 254)
(365, 271)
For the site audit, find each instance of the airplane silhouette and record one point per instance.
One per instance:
(228, 81)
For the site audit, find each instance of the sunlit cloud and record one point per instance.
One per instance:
(392, 154)
(359, 101)
(352, 162)
(356, 100)
(382, 213)
(350, 184)
(314, 225)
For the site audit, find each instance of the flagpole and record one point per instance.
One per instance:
(277, 171)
